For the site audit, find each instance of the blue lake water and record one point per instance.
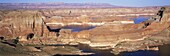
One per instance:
(77, 28)
(140, 53)
(98, 52)
(139, 20)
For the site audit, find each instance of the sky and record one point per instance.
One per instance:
(133, 3)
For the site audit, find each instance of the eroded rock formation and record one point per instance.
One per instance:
(126, 37)
(22, 23)
(31, 28)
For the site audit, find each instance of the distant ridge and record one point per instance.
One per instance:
(54, 5)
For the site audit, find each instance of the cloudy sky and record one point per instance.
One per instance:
(139, 3)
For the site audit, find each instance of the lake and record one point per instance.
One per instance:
(99, 52)
(77, 28)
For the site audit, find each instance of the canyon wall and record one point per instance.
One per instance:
(22, 23)
(124, 37)
(31, 28)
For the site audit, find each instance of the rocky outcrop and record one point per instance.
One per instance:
(128, 37)
(30, 26)
(21, 23)
(19, 50)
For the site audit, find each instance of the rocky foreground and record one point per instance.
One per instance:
(28, 28)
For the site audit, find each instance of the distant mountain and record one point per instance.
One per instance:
(54, 5)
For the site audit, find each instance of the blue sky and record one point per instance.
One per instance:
(138, 3)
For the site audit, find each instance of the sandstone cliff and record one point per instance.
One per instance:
(30, 26)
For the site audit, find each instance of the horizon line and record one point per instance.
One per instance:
(87, 3)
